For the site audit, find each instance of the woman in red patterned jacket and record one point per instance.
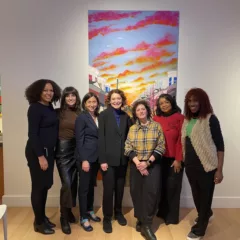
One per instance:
(171, 120)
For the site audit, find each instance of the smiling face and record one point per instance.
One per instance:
(193, 104)
(47, 94)
(116, 101)
(165, 105)
(141, 112)
(91, 105)
(70, 100)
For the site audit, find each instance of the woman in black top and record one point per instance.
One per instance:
(203, 150)
(87, 151)
(70, 108)
(40, 148)
(113, 129)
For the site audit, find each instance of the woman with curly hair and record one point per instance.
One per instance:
(40, 147)
(113, 129)
(145, 146)
(70, 108)
(203, 150)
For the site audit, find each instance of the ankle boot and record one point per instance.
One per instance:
(71, 217)
(65, 225)
(147, 233)
(43, 228)
(49, 223)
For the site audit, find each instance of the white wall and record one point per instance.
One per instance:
(49, 39)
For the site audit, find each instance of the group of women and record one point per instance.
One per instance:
(158, 148)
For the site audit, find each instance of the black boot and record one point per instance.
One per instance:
(43, 228)
(107, 225)
(65, 225)
(147, 233)
(121, 219)
(49, 223)
(71, 217)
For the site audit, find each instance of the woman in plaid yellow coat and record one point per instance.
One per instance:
(145, 146)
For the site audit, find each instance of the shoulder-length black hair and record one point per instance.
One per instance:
(86, 97)
(63, 104)
(34, 91)
(168, 97)
(145, 104)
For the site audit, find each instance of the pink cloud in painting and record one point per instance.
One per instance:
(110, 15)
(159, 64)
(101, 31)
(107, 68)
(153, 54)
(98, 64)
(167, 40)
(164, 18)
(126, 73)
(141, 46)
(129, 63)
(106, 55)
(158, 53)
(152, 51)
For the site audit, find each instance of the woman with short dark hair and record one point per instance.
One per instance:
(169, 116)
(86, 129)
(40, 147)
(203, 151)
(145, 146)
(70, 108)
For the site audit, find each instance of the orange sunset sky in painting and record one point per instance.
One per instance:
(136, 47)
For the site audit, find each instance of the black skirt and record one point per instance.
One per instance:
(40, 179)
(67, 168)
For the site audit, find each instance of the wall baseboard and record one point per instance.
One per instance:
(53, 201)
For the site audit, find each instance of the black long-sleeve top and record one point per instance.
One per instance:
(42, 127)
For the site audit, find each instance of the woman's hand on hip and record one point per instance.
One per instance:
(104, 166)
(177, 166)
(85, 166)
(43, 163)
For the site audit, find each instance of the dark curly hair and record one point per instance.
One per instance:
(33, 92)
(118, 91)
(63, 104)
(172, 101)
(86, 97)
(145, 104)
(201, 96)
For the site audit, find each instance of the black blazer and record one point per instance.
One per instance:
(86, 132)
(111, 140)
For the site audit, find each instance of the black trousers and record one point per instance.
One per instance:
(87, 181)
(169, 203)
(67, 168)
(113, 186)
(41, 180)
(202, 185)
(145, 192)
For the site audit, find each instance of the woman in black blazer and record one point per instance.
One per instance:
(113, 129)
(86, 130)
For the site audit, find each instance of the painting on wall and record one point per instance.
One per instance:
(135, 51)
